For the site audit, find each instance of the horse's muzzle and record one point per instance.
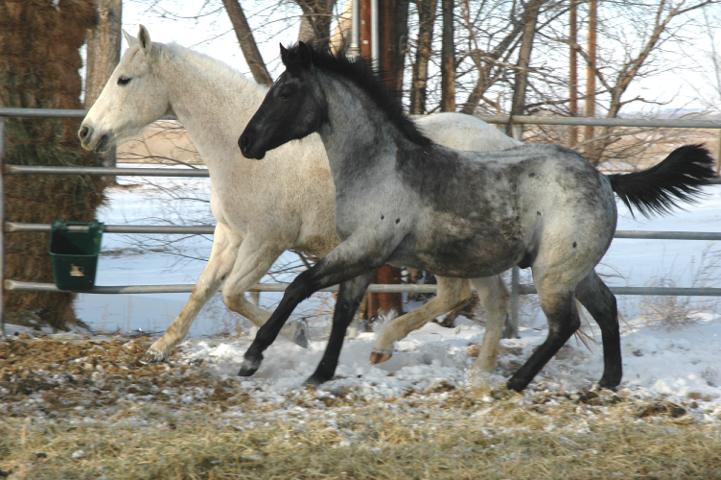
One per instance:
(245, 142)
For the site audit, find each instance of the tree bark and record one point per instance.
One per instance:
(448, 59)
(573, 71)
(524, 58)
(340, 39)
(392, 19)
(103, 47)
(315, 22)
(590, 102)
(247, 43)
(40, 44)
(419, 81)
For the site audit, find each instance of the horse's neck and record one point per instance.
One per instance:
(358, 136)
(211, 101)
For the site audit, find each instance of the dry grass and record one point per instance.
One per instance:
(499, 440)
(127, 421)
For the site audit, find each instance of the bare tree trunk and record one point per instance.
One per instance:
(419, 81)
(590, 104)
(340, 39)
(247, 42)
(573, 71)
(393, 21)
(103, 46)
(315, 23)
(524, 58)
(393, 16)
(448, 60)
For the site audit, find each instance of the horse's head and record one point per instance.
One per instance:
(293, 107)
(133, 97)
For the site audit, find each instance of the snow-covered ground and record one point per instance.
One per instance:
(679, 364)
(671, 346)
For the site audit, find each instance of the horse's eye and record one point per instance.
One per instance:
(124, 80)
(285, 93)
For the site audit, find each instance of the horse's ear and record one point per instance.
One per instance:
(144, 38)
(305, 54)
(129, 38)
(284, 54)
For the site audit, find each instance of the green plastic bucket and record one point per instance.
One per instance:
(74, 254)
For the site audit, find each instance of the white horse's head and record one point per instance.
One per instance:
(134, 96)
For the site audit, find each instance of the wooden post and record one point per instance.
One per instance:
(103, 54)
(573, 72)
(590, 109)
(380, 303)
(448, 59)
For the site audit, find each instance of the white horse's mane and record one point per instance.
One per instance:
(223, 74)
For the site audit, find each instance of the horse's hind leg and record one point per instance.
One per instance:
(222, 256)
(560, 308)
(601, 304)
(494, 298)
(451, 293)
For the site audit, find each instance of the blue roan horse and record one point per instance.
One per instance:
(403, 200)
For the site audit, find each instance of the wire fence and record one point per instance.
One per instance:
(517, 288)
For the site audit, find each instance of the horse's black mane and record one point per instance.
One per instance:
(361, 74)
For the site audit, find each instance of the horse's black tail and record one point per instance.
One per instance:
(659, 188)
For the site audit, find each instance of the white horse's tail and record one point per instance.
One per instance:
(658, 189)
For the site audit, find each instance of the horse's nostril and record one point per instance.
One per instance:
(243, 143)
(84, 133)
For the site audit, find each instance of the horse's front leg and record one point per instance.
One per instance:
(349, 297)
(222, 256)
(255, 257)
(349, 259)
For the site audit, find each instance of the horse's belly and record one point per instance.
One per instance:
(467, 258)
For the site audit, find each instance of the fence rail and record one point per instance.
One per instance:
(516, 287)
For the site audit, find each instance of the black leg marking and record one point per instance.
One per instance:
(335, 268)
(300, 289)
(349, 298)
(563, 321)
(601, 304)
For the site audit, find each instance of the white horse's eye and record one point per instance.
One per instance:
(124, 80)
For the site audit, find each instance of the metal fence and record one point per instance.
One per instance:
(517, 288)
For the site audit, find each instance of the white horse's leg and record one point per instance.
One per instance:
(254, 259)
(494, 298)
(451, 293)
(222, 255)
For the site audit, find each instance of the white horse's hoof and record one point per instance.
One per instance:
(153, 356)
(480, 379)
(380, 356)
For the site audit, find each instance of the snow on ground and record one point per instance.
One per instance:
(676, 358)
(679, 364)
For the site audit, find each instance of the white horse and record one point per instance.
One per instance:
(261, 208)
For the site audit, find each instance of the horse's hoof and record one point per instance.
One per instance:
(380, 357)
(315, 380)
(249, 367)
(516, 384)
(300, 336)
(152, 356)
(609, 384)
